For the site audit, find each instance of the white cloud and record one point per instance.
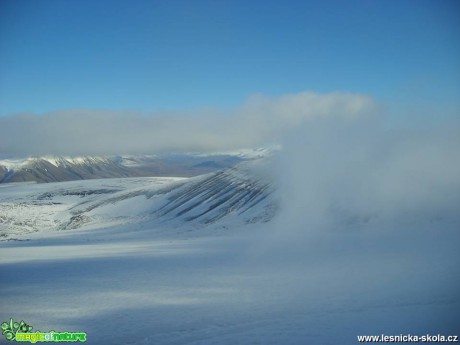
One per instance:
(259, 121)
(356, 176)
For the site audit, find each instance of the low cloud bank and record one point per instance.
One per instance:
(357, 174)
(366, 237)
(261, 120)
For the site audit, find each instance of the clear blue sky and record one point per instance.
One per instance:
(154, 55)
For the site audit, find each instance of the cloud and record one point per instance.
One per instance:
(357, 177)
(366, 215)
(259, 121)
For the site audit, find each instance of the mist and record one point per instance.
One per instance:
(367, 231)
(352, 171)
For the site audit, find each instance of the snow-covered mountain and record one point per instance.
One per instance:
(57, 169)
(238, 194)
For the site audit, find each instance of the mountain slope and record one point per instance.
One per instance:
(236, 195)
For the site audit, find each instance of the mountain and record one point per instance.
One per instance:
(237, 195)
(58, 169)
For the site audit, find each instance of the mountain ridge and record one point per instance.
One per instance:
(48, 168)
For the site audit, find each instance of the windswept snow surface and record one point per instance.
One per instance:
(204, 260)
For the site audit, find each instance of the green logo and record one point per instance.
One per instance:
(21, 331)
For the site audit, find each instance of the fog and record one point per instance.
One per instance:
(368, 228)
(358, 170)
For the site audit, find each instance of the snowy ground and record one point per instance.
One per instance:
(125, 278)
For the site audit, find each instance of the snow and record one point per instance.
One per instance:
(131, 275)
(135, 161)
(27, 208)
(14, 163)
(248, 153)
(18, 163)
(58, 161)
(141, 286)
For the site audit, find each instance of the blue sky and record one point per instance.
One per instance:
(169, 55)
